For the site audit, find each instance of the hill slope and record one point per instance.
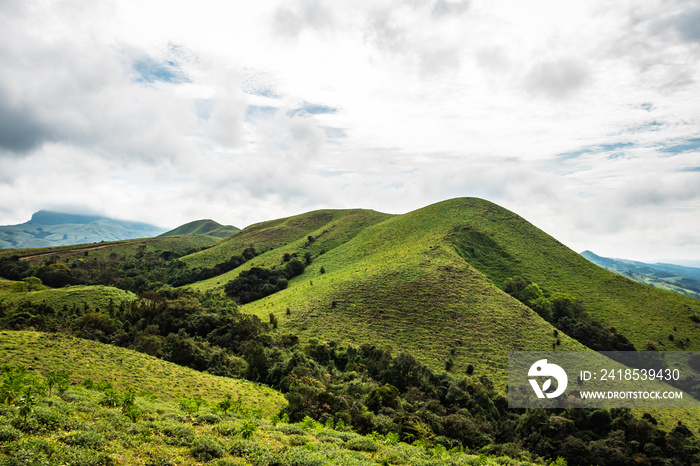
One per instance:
(123, 368)
(46, 229)
(203, 227)
(397, 281)
(430, 282)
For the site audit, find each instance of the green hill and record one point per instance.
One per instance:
(391, 323)
(430, 282)
(203, 227)
(123, 368)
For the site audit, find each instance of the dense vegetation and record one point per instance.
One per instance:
(399, 329)
(49, 419)
(365, 388)
(568, 315)
(136, 272)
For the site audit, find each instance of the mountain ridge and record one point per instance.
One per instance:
(48, 228)
(672, 277)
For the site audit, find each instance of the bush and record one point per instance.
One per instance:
(177, 434)
(298, 440)
(208, 418)
(8, 433)
(87, 439)
(362, 444)
(206, 448)
(50, 419)
(292, 429)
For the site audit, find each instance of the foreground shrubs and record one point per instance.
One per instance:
(206, 448)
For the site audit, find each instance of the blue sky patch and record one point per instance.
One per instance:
(311, 109)
(150, 71)
(259, 112)
(692, 144)
(616, 148)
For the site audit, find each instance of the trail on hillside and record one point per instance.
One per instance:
(91, 248)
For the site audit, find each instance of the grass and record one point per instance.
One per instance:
(94, 296)
(399, 283)
(85, 359)
(75, 428)
(330, 228)
(203, 227)
(429, 283)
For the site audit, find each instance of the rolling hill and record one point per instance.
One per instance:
(430, 281)
(414, 301)
(124, 368)
(203, 227)
(47, 229)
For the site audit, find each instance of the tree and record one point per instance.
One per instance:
(26, 404)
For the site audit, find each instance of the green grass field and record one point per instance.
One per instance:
(123, 368)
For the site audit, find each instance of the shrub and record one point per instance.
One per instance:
(82, 438)
(298, 440)
(208, 418)
(292, 429)
(362, 444)
(177, 434)
(303, 457)
(50, 419)
(32, 451)
(227, 429)
(206, 448)
(8, 433)
(247, 430)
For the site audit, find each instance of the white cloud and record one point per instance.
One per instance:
(167, 111)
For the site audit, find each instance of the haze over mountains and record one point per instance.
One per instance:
(678, 278)
(46, 229)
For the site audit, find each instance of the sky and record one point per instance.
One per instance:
(583, 117)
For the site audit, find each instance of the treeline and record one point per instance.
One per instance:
(259, 282)
(140, 272)
(568, 315)
(363, 387)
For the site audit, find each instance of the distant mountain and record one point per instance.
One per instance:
(678, 278)
(47, 229)
(203, 227)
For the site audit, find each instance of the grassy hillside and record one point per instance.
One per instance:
(330, 227)
(123, 368)
(501, 245)
(430, 281)
(94, 297)
(676, 278)
(396, 282)
(90, 423)
(124, 250)
(203, 227)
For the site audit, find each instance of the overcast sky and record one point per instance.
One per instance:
(581, 116)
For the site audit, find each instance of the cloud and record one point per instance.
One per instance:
(291, 19)
(65, 90)
(557, 79)
(20, 128)
(450, 8)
